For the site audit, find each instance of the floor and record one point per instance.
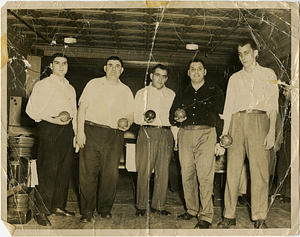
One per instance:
(123, 214)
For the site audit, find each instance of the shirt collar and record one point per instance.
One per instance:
(154, 88)
(56, 79)
(257, 66)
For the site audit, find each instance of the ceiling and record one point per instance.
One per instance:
(158, 34)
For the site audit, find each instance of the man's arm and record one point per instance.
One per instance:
(80, 139)
(270, 138)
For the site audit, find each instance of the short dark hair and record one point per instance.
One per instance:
(58, 55)
(114, 58)
(250, 41)
(196, 60)
(160, 66)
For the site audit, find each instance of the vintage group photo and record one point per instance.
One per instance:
(150, 118)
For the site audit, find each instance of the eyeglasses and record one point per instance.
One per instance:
(163, 76)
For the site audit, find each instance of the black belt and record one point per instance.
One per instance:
(96, 124)
(196, 127)
(152, 126)
(253, 111)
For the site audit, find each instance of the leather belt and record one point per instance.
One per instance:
(196, 127)
(152, 126)
(96, 124)
(253, 111)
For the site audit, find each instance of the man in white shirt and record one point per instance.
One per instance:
(103, 102)
(49, 98)
(249, 118)
(155, 141)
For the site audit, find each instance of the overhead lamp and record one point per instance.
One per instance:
(191, 46)
(70, 40)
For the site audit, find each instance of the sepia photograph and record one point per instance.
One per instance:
(149, 118)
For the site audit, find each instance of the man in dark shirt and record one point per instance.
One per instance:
(197, 141)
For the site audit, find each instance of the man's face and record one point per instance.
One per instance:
(59, 66)
(247, 55)
(113, 69)
(159, 78)
(196, 72)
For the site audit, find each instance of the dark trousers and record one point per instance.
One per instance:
(54, 164)
(99, 157)
(153, 150)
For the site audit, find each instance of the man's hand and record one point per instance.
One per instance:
(124, 129)
(56, 120)
(148, 120)
(269, 140)
(80, 140)
(219, 151)
(180, 120)
(75, 144)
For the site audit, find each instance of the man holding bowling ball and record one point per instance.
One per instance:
(105, 112)
(155, 141)
(196, 110)
(53, 105)
(249, 115)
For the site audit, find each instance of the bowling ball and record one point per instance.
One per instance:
(180, 113)
(64, 116)
(122, 123)
(150, 114)
(226, 141)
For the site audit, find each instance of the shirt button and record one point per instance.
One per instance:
(193, 122)
(194, 99)
(195, 92)
(194, 107)
(193, 114)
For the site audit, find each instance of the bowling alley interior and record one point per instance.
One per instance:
(142, 36)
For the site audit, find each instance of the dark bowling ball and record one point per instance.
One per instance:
(226, 141)
(150, 114)
(180, 113)
(64, 116)
(122, 123)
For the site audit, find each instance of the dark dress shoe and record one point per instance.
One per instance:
(140, 212)
(260, 224)
(202, 224)
(86, 218)
(60, 212)
(226, 223)
(186, 216)
(160, 212)
(42, 219)
(106, 215)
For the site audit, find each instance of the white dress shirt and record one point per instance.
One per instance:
(256, 90)
(150, 98)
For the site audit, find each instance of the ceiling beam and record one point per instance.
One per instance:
(29, 26)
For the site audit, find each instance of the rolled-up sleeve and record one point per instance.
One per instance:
(38, 100)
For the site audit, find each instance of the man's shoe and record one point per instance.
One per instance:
(160, 212)
(106, 215)
(226, 223)
(202, 224)
(260, 224)
(42, 219)
(140, 212)
(186, 216)
(86, 218)
(60, 212)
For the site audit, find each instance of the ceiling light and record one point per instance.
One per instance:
(70, 40)
(191, 46)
